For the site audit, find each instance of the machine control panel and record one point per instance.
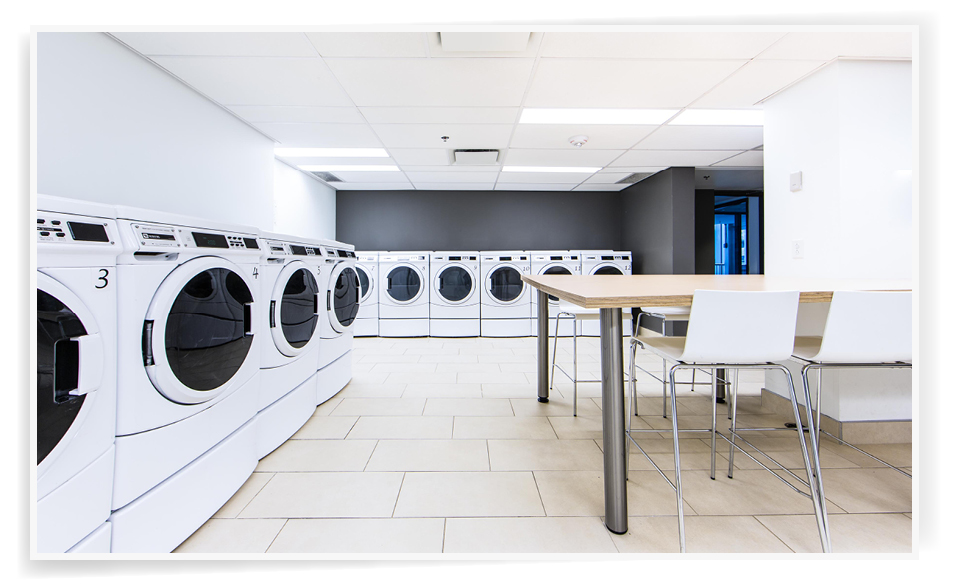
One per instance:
(151, 236)
(503, 258)
(61, 228)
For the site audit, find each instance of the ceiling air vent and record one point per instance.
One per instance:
(327, 177)
(475, 156)
(634, 178)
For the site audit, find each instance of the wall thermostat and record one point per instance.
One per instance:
(795, 181)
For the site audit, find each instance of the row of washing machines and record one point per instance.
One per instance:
(172, 354)
(468, 294)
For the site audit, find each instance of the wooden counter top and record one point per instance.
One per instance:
(665, 290)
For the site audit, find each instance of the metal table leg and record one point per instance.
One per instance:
(543, 391)
(615, 446)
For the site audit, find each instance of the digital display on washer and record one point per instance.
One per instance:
(606, 257)
(505, 257)
(298, 250)
(342, 254)
(250, 243)
(88, 232)
(210, 240)
(458, 258)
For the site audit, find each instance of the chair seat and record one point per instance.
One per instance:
(673, 313)
(670, 348)
(582, 314)
(806, 348)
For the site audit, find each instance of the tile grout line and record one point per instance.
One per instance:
(394, 508)
(274, 538)
(370, 455)
(771, 531)
(254, 495)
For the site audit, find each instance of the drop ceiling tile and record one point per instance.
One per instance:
(437, 50)
(307, 114)
(600, 187)
(425, 115)
(703, 138)
(259, 81)
(370, 44)
(429, 135)
(630, 170)
(449, 168)
(225, 44)
(670, 158)
(521, 177)
(600, 136)
(433, 82)
(756, 81)
(327, 160)
(604, 177)
(454, 186)
(451, 177)
(829, 45)
(372, 186)
(534, 186)
(751, 158)
(370, 176)
(593, 83)
(421, 156)
(321, 135)
(574, 157)
(658, 45)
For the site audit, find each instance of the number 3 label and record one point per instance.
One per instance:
(101, 278)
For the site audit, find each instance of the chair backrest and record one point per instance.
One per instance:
(867, 328)
(741, 327)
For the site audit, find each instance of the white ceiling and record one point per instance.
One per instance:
(404, 91)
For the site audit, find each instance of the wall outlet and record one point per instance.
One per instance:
(798, 249)
(795, 181)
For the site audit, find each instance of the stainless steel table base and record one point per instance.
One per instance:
(543, 392)
(614, 439)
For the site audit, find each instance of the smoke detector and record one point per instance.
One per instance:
(579, 140)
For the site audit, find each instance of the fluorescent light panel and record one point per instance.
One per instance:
(333, 152)
(589, 170)
(719, 118)
(594, 116)
(361, 168)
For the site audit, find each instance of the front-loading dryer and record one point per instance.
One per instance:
(553, 262)
(293, 286)
(505, 297)
(188, 374)
(77, 245)
(404, 294)
(342, 303)
(455, 294)
(367, 269)
(604, 263)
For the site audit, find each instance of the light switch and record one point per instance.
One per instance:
(795, 181)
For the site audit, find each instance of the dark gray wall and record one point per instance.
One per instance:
(658, 216)
(705, 251)
(479, 220)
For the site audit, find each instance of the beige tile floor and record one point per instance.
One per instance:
(440, 446)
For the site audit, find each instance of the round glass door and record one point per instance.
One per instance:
(454, 284)
(57, 371)
(555, 270)
(404, 284)
(505, 284)
(345, 299)
(298, 306)
(364, 281)
(612, 270)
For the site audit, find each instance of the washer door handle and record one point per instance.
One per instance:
(90, 375)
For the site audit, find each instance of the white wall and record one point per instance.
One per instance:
(113, 128)
(303, 206)
(848, 128)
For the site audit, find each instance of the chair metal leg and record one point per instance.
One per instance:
(712, 430)
(553, 362)
(665, 387)
(815, 447)
(733, 411)
(575, 367)
(633, 380)
(676, 461)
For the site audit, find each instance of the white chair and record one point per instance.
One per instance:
(739, 330)
(863, 330)
(568, 310)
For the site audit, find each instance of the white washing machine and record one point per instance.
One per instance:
(403, 297)
(294, 289)
(188, 374)
(505, 298)
(367, 269)
(553, 262)
(455, 294)
(342, 297)
(608, 262)
(77, 245)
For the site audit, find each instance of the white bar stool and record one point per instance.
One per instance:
(863, 330)
(739, 330)
(568, 310)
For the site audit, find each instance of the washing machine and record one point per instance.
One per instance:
(342, 302)
(455, 294)
(608, 262)
(293, 287)
(404, 294)
(76, 248)
(505, 298)
(553, 262)
(188, 374)
(366, 324)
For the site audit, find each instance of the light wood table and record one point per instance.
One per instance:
(610, 294)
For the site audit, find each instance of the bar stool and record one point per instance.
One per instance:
(568, 310)
(739, 330)
(863, 330)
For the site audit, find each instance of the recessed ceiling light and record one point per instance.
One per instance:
(333, 152)
(594, 116)
(588, 170)
(719, 118)
(332, 168)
